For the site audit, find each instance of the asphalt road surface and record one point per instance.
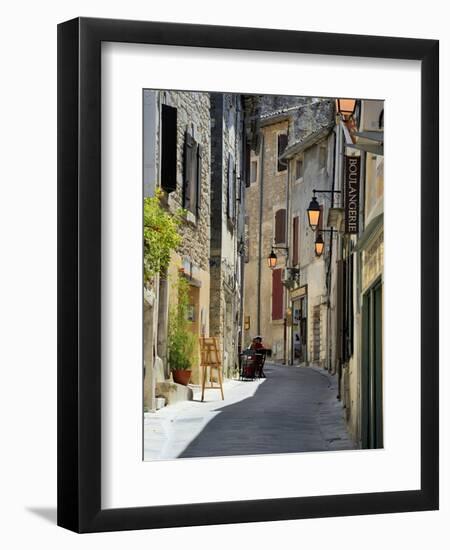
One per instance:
(294, 410)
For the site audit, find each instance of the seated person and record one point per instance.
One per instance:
(257, 344)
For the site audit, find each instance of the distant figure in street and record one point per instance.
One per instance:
(260, 353)
(257, 343)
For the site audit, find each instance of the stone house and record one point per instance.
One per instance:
(282, 122)
(194, 151)
(310, 163)
(227, 223)
(177, 139)
(362, 257)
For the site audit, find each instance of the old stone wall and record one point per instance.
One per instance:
(226, 136)
(193, 112)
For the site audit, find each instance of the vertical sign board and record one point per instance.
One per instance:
(351, 203)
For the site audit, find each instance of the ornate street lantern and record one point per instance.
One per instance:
(272, 260)
(345, 107)
(313, 213)
(319, 245)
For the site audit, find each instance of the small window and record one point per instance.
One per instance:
(192, 175)
(280, 226)
(322, 157)
(168, 148)
(282, 144)
(253, 171)
(277, 295)
(298, 169)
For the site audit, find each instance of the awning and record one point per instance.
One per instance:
(374, 149)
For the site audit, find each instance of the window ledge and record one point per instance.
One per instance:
(190, 217)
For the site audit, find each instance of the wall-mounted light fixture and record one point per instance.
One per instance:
(272, 258)
(345, 107)
(319, 243)
(314, 209)
(313, 212)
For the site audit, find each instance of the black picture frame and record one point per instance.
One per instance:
(79, 274)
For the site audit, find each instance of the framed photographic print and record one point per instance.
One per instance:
(248, 292)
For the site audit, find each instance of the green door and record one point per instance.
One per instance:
(372, 369)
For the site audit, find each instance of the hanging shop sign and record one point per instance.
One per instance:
(351, 202)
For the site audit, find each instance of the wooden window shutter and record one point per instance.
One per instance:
(277, 295)
(187, 172)
(168, 148)
(282, 144)
(194, 179)
(280, 226)
(192, 174)
(198, 183)
(295, 243)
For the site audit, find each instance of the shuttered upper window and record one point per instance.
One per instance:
(277, 295)
(280, 226)
(298, 169)
(168, 148)
(253, 171)
(192, 174)
(281, 146)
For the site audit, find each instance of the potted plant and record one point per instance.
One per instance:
(182, 344)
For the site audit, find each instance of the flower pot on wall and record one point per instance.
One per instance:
(181, 376)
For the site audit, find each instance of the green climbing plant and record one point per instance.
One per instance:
(182, 343)
(161, 236)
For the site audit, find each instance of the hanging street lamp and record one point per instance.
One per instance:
(272, 260)
(319, 245)
(313, 213)
(345, 107)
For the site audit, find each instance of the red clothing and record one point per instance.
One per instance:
(257, 345)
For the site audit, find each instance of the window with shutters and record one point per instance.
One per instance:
(277, 295)
(168, 148)
(281, 146)
(253, 171)
(295, 240)
(192, 175)
(299, 169)
(322, 157)
(231, 188)
(280, 226)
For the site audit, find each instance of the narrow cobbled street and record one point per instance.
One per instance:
(294, 409)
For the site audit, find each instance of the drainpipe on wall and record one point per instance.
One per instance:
(261, 194)
(286, 240)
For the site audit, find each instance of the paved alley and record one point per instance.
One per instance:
(293, 410)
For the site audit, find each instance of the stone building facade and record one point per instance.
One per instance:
(203, 176)
(283, 121)
(227, 195)
(310, 168)
(182, 118)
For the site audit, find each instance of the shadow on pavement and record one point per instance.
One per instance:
(285, 415)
